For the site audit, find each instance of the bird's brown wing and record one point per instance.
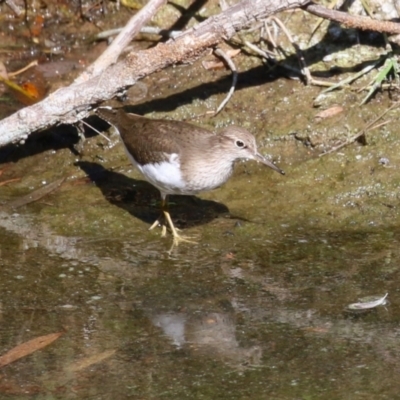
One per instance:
(151, 140)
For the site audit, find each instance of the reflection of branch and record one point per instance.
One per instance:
(34, 234)
(353, 21)
(70, 104)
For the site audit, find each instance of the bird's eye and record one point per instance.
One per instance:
(240, 144)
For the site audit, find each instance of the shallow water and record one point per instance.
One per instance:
(235, 317)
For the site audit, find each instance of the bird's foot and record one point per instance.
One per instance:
(179, 239)
(165, 221)
(174, 230)
(159, 221)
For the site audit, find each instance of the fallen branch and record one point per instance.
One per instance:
(353, 21)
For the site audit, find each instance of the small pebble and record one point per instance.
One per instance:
(384, 161)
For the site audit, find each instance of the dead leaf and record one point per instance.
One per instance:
(32, 90)
(9, 181)
(11, 386)
(27, 348)
(88, 361)
(135, 4)
(35, 195)
(316, 329)
(25, 96)
(329, 112)
(37, 25)
(29, 92)
(69, 372)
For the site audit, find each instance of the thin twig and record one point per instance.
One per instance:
(299, 53)
(20, 71)
(16, 9)
(263, 53)
(353, 77)
(353, 21)
(111, 54)
(379, 125)
(223, 4)
(232, 66)
(96, 130)
(152, 30)
(269, 34)
(369, 126)
(266, 54)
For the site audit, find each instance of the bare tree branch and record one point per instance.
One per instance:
(70, 104)
(353, 21)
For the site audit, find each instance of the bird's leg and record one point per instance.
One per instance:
(160, 221)
(167, 219)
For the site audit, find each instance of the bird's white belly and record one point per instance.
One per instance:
(166, 176)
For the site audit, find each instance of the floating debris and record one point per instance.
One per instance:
(367, 303)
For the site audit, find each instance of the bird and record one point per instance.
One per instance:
(180, 158)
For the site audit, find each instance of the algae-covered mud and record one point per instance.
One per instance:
(258, 306)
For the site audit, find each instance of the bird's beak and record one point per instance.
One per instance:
(268, 163)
